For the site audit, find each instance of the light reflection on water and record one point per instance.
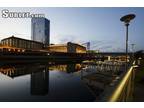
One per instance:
(42, 82)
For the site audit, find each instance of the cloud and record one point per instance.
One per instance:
(66, 38)
(102, 45)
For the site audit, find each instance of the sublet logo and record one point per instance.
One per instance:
(5, 13)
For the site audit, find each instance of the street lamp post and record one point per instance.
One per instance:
(126, 19)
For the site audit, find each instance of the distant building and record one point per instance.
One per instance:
(21, 43)
(16, 42)
(72, 48)
(69, 47)
(40, 30)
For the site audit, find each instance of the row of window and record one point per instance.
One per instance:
(21, 43)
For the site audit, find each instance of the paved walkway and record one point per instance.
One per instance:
(139, 84)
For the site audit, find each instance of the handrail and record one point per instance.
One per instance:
(122, 86)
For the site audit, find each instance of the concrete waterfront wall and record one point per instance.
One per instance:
(123, 89)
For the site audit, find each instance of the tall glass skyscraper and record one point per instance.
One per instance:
(40, 30)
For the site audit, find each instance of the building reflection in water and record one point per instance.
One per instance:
(39, 74)
(71, 68)
(40, 81)
(68, 68)
(44, 82)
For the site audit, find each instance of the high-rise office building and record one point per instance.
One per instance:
(40, 30)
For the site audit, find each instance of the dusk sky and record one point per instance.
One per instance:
(100, 26)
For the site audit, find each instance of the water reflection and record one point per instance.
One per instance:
(68, 68)
(39, 76)
(42, 82)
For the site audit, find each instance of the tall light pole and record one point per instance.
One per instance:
(126, 19)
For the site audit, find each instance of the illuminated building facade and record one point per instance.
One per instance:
(58, 48)
(21, 43)
(16, 42)
(69, 47)
(40, 30)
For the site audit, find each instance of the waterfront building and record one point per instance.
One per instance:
(69, 47)
(21, 43)
(15, 42)
(40, 30)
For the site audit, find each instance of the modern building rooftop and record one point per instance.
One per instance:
(20, 39)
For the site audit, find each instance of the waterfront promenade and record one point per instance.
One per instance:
(139, 84)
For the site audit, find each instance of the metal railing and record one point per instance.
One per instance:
(123, 89)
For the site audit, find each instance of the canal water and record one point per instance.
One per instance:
(52, 82)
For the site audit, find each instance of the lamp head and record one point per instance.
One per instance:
(127, 18)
